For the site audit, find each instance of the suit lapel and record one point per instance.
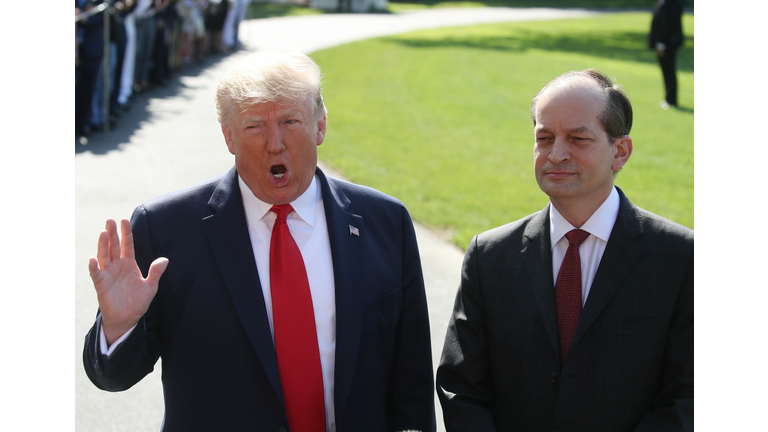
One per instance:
(227, 232)
(621, 253)
(537, 256)
(348, 255)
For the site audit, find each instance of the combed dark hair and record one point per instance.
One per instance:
(617, 117)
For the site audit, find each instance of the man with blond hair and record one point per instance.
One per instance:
(278, 298)
(578, 317)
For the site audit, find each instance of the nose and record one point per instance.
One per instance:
(274, 137)
(559, 152)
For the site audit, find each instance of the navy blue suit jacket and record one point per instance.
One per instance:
(209, 325)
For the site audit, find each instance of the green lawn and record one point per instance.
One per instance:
(397, 6)
(266, 9)
(440, 118)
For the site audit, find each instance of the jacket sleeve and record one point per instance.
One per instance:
(411, 397)
(464, 383)
(673, 407)
(136, 356)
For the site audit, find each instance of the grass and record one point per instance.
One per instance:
(269, 10)
(398, 6)
(439, 118)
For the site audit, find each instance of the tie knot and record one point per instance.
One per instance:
(282, 211)
(576, 237)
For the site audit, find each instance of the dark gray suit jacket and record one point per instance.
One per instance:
(208, 321)
(630, 363)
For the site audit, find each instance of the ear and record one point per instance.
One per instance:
(321, 124)
(228, 138)
(622, 153)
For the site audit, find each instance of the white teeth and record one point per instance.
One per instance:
(279, 176)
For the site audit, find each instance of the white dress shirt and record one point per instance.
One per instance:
(309, 229)
(599, 226)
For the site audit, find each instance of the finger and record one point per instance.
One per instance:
(127, 243)
(102, 252)
(114, 240)
(156, 269)
(93, 268)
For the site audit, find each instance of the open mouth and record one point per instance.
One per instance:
(278, 171)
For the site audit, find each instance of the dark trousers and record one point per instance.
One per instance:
(146, 30)
(159, 72)
(119, 41)
(86, 74)
(668, 70)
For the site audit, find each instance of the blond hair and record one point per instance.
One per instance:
(269, 77)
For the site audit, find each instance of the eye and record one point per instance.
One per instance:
(292, 121)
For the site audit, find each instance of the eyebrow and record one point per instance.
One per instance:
(289, 112)
(580, 129)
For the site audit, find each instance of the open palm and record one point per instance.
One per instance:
(123, 294)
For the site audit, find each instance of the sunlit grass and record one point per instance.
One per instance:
(439, 118)
(269, 9)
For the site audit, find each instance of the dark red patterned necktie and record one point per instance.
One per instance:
(298, 356)
(568, 290)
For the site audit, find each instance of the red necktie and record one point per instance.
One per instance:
(298, 356)
(568, 290)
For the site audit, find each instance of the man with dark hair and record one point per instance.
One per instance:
(578, 317)
(665, 39)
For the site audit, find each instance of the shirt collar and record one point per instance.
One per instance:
(600, 224)
(304, 205)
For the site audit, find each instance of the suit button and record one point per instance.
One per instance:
(282, 429)
(555, 377)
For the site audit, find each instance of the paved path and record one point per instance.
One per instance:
(171, 139)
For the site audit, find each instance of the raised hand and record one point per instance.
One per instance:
(123, 293)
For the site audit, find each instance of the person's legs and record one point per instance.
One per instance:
(668, 70)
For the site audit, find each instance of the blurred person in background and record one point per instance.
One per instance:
(193, 30)
(119, 43)
(146, 31)
(90, 52)
(164, 18)
(129, 60)
(215, 16)
(666, 38)
(235, 15)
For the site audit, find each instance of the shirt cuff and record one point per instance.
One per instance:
(107, 350)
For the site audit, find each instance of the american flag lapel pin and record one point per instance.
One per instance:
(354, 231)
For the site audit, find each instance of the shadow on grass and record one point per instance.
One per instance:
(626, 46)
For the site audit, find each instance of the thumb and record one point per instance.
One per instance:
(156, 269)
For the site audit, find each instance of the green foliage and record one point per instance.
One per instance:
(440, 118)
